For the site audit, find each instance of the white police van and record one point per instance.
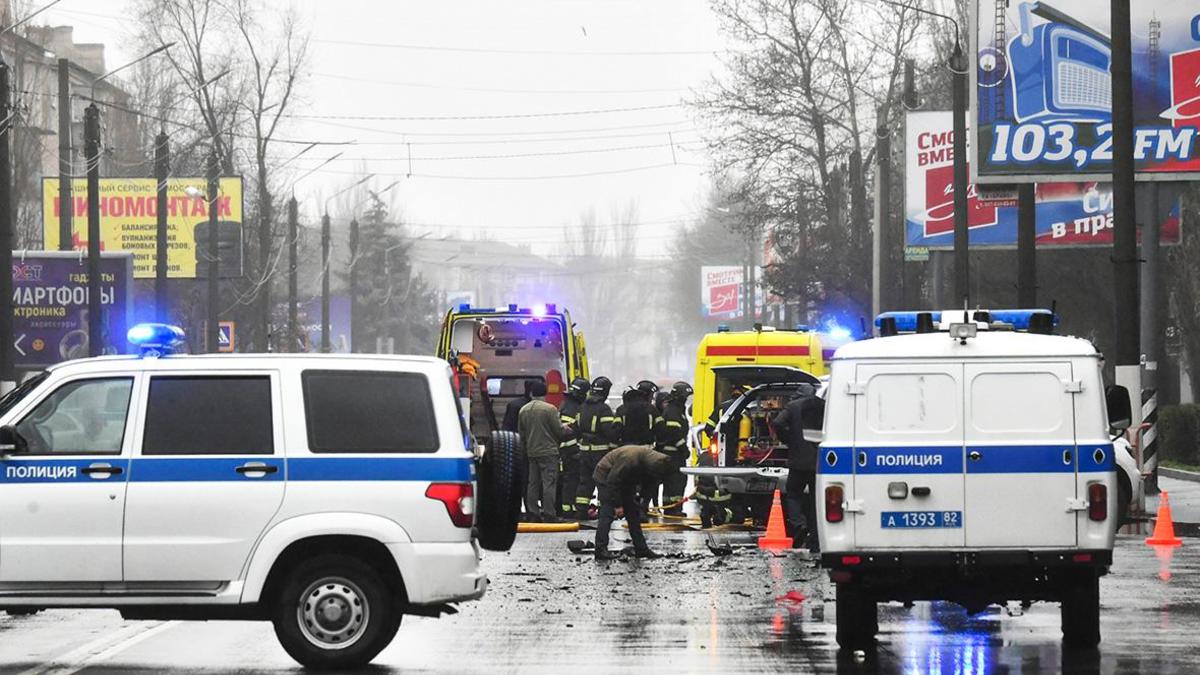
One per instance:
(972, 461)
(330, 494)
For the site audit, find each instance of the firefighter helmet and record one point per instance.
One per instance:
(601, 385)
(680, 391)
(579, 387)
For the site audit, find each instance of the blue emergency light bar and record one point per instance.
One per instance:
(1019, 319)
(906, 322)
(540, 310)
(1022, 318)
(155, 339)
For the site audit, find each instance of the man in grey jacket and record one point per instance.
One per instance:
(541, 431)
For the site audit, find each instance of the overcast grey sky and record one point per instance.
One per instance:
(487, 58)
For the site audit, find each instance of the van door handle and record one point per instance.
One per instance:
(102, 469)
(975, 455)
(256, 467)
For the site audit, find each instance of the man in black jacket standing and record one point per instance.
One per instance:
(806, 410)
(513, 409)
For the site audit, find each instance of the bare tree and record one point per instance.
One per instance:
(275, 67)
(794, 119)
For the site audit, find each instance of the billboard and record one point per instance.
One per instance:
(1068, 214)
(1042, 89)
(50, 306)
(721, 290)
(129, 217)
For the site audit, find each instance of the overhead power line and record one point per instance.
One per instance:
(518, 52)
(500, 90)
(507, 116)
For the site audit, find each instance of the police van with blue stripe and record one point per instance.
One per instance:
(970, 457)
(329, 494)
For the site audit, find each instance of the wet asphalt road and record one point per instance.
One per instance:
(551, 611)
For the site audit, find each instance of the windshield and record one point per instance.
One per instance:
(12, 398)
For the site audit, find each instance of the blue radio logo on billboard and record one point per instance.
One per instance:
(1043, 88)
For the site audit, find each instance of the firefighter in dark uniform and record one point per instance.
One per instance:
(568, 450)
(670, 438)
(638, 418)
(716, 506)
(599, 428)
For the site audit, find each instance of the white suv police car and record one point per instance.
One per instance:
(970, 461)
(328, 494)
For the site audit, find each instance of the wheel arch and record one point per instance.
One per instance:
(365, 536)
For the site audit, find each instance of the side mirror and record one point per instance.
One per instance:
(11, 442)
(1120, 414)
(814, 436)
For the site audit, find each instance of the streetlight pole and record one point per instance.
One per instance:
(91, 152)
(162, 169)
(962, 278)
(325, 236)
(213, 327)
(7, 371)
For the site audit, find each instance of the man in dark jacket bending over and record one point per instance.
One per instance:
(618, 476)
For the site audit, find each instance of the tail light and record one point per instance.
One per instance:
(1097, 501)
(459, 500)
(714, 451)
(833, 504)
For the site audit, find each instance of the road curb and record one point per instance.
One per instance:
(1179, 474)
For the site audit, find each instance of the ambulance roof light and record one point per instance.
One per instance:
(1021, 319)
(723, 328)
(155, 339)
(464, 307)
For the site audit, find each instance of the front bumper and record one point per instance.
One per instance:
(436, 573)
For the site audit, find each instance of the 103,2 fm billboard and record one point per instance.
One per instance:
(129, 217)
(1042, 89)
(1068, 213)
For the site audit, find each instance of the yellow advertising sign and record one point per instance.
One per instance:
(129, 217)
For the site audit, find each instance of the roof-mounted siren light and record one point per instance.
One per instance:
(1041, 324)
(906, 322)
(155, 339)
(925, 323)
(464, 307)
(982, 315)
(1024, 320)
(551, 308)
(512, 308)
(887, 326)
(723, 328)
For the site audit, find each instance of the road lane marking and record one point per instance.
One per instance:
(101, 649)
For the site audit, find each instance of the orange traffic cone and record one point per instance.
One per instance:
(1164, 527)
(776, 537)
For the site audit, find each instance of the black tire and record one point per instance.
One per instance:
(857, 617)
(502, 475)
(1124, 496)
(1081, 611)
(344, 583)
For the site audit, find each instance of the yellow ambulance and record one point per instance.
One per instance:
(726, 359)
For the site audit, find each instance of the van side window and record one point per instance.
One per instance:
(1017, 402)
(81, 417)
(912, 403)
(212, 415)
(358, 411)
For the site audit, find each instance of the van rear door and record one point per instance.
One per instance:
(1021, 454)
(908, 456)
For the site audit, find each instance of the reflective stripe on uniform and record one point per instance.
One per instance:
(672, 423)
(583, 501)
(602, 419)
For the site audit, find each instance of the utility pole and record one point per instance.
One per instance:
(293, 235)
(1151, 336)
(325, 284)
(1026, 245)
(1125, 260)
(162, 169)
(962, 278)
(353, 283)
(91, 152)
(213, 327)
(266, 217)
(880, 250)
(66, 233)
(7, 371)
